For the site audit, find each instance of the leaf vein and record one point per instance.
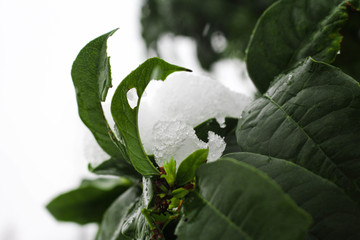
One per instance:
(306, 134)
(223, 216)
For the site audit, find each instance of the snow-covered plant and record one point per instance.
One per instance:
(286, 167)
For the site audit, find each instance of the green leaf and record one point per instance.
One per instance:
(349, 58)
(92, 78)
(135, 225)
(335, 215)
(179, 193)
(236, 201)
(227, 132)
(126, 118)
(231, 144)
(212, 125)
(291, 30)
(170, 170)
(310, 116)
(114, 217)
(188, 167)
(116, 167)
(89, 202)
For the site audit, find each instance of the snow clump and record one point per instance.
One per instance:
(171, 109)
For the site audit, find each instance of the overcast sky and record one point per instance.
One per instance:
(41, 135)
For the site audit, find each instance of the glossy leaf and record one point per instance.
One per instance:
(126, 118)
(236, 201)
(116, 167)
(291, 30)
(335, 215)
(135, 225)
(189, 165)
(91, 76)
(114, 217)
(89, 202)
(310, 116)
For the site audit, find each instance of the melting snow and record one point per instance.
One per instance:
(171, 110)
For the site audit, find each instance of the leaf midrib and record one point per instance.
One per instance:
(306, 134)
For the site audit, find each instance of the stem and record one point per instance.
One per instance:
(146, 213)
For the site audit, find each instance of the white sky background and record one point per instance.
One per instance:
(41, 135)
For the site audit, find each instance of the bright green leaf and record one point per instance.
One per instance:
(114, 217)
(291, 30)
(92, 78)
(188, 167)
(179, 193)
(170, 170)
(89, 202)
(126, 118)
(310, 116)
(234, 200)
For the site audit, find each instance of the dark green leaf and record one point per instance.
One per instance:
(89, 202)
(116, 167)
(236, 201)
(114, 217)
(335, 215)
(231, 144)
(212, 125)
(92, 78)
(126, 118)
(310, 116)
(349, 58)
(291, 30)
(188, 167)
(228, 132)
